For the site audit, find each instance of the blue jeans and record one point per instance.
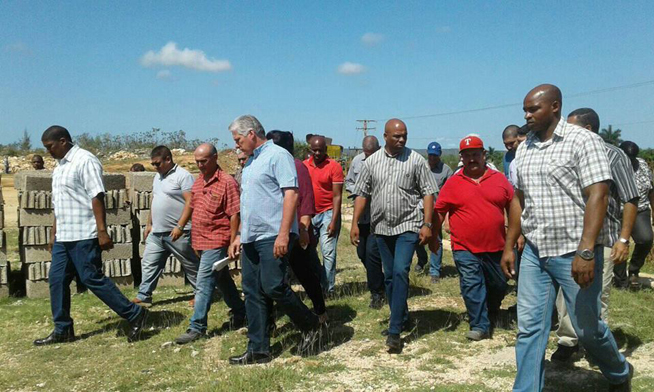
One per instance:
(396, 254)
(85, 258)
(368, 252)
(435, 260)
(264, 282)
(207, 280)
(320, 223)
(158, 247)
(539, 282)
(483, 286)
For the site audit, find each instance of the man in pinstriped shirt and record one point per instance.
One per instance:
(395, 178)
(622, 193)
(562, 188)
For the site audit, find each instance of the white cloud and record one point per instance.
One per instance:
(164, 74)
(349, 68)
(18, 47)
(170, 55)
(444, 29)
(372, 39)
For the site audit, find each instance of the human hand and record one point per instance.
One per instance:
(176, 233)
(354, 234)
(104, 240)
(619, 252)
(507, 262)
(424, 235)
(280, 248)
(583, 271)
(234, 249)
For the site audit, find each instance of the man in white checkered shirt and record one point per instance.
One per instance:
(79, 235)
(562, 187)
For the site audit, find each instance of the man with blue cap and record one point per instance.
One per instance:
(441, 173)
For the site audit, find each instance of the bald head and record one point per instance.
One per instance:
(542, 107)
(394, 124)
(395, 135)
(318, 147)
(206, 157)
(370, 145)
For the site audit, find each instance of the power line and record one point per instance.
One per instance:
(365, 128)
(483, 109)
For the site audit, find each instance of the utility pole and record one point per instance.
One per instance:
(365, 127)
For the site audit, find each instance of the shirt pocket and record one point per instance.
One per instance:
(213, 201)
(562, 174)
(405, 180)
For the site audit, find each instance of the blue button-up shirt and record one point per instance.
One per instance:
(269, 170)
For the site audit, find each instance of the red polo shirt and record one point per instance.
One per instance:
(476, 210)
(214, 202)
(323, 177)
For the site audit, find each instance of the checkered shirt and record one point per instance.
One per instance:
(622, 189)
(214, 202)
(552, 176)
(644, 183)
(76, 180)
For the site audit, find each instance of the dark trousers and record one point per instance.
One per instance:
(642, 235)
(368, 252)
(264, 282)
(85, 258)
(307, 270)
(483, 285)
(396, 253)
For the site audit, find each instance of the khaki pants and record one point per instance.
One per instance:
(565, 332)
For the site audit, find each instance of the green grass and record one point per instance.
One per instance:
(354, 359)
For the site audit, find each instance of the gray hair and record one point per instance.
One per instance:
(246, 123)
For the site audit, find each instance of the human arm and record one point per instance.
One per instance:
(186, 216)
(597, 199)
(53, 234)
(359, 206)
(288, 214)
(437, 223)
(620, 250)
(507, 261)
(100, 220)
(426, 232)
(337, 192)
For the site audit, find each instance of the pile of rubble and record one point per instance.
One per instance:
(122, 155)
(18, 164)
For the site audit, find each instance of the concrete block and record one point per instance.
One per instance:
(113, 181)
(125, 282)
(34, 254)
(4, 274)
(2, 219)
(39, 289)
(4, 291)
(119, 216)
(142, 216)
(35, 199)
(35, 218)
(120, 233)
(34, 235)
(119, 251)
(33, 180)
(140, 181)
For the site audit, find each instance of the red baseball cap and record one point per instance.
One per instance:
(470, 142)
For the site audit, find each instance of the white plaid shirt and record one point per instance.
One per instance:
(76, 180)
(552, 175)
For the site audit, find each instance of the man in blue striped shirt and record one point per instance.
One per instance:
(269, 194)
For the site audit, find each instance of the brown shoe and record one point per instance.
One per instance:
(634, 284)
(143, 302)
(191, 303)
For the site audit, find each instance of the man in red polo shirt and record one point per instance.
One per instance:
(214, 210)
(476, 199)
(327, 180)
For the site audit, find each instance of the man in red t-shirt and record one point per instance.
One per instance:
(476, 199)
(214, 211)
(327, 180)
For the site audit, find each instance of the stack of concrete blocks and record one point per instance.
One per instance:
(4, 263)
(139, 185)
(36, 218)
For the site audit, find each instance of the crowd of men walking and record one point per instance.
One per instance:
(558, 221)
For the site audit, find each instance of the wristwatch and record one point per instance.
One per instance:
(586, 254)
(180, 228)
(624, 241)
(428, 224)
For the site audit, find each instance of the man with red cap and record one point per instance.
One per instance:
(477, 244)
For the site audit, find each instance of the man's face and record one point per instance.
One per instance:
(511, 143)
(539, 113)
(474, 160)
(318, 150)
(242, 158)
(521, 138)
(37, 163)
(162, 165)
(575, 120)
(395, 139)
(433, 160)
(207, 162)
(56, 148)
(245, 143)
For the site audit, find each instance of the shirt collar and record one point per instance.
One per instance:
(169, 172)
(399, 154)
(487, 174)
(257, 151)
(559, 132)
(313, 163)
(216, 177)
(70, 154)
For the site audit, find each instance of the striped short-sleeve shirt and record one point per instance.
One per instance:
(622, 189)
(552, 175)
(76, 180)
(644, 184)
(394, 186)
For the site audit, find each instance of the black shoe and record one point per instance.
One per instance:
(394, 343)
(189, 336)
(634, 284)
(376, 301)
(54, 338)
(237, 322)
(624, 386)
(563, 353)
(136, 325)
(250, 358)
(419, 269)
(406, 327)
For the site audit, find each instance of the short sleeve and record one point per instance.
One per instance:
(592, 161)
(306, 202)
(284, 170)
(622, 173)
(91, 175)
(337, 173)
(186, 182)
(426, 180)
(443, 202)
(232, 196)
(363, 185)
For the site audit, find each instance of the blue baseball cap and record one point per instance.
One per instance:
(434, 149)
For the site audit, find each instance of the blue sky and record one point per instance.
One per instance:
(317, 67)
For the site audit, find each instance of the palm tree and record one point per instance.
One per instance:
(610, 136)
